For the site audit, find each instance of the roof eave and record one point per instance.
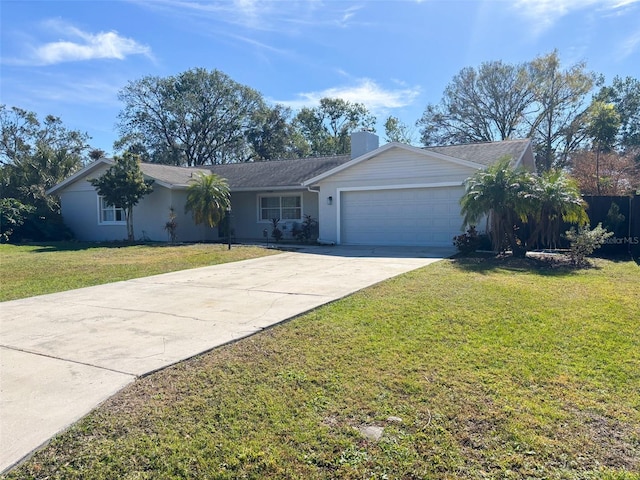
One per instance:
(528, 147)
(268, 189)
(79, 174)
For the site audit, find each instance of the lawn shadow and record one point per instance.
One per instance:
(545, 265)
(74, 246)
(620, 257)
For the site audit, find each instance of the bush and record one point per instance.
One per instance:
(467, 242)
(20, 222)
(49, 227)
(276, 233)
(583, 242)
(13, 214)
(305, 232)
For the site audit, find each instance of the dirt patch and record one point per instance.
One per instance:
(614, 444)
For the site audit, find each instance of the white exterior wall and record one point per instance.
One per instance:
(394, 168)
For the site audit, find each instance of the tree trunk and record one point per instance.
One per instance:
(598, 169)
(129, 214)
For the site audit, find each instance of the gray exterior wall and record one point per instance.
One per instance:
(245, 220)
(80, 212)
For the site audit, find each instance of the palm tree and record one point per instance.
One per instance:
(208, 199)
(501, 193)
(512, 197)
(556, 199)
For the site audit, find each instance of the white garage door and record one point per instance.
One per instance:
(408, 216)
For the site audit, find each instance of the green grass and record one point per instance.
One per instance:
(28, 270)
(498, 369)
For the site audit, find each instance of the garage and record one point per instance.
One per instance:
(400, 216)
(401, 195)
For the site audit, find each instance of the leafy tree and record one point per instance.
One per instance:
(618, 174)
(35, 155)
(498, 101)
(326, 128)
(556, 120)
(602, 126)
(481, 105)
(624, 94)
(208, 199)
(397, 131)
(123, 185)
(198, 117)
(501, 193)
(272, 136)
(584, 241)
(97, 154)
(23, 134)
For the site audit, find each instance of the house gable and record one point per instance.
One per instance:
(473, 156)
(394, 150)
(94, 169)
(399, 166)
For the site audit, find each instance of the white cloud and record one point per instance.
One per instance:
(544, 13)
(376, 98)
(80, 46)
(293, 17)
(629, 46)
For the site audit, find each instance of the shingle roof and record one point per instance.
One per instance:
(281, 174)
(171, 175)
(276, 173)
(484, 153)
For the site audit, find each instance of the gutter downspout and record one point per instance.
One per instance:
(319, 241)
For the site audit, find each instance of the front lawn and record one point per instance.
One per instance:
(475, 368)
(28, 270)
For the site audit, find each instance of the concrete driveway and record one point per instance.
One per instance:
(63, 354)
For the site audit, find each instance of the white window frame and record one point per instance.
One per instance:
(103, 207)
(280, 196)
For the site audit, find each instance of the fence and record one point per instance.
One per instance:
(620, 215)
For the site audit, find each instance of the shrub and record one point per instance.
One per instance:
(13, 214)
(305, 232)
(49, 227)
(20, 222)
(467, 242)
(583, 242)
(276, 233)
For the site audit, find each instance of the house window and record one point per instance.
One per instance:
(287, 207)
(109, 214)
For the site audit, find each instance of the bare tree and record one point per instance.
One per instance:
(481, 105)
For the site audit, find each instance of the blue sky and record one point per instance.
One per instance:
(70, 58)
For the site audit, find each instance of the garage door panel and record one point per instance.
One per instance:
(416, 216)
